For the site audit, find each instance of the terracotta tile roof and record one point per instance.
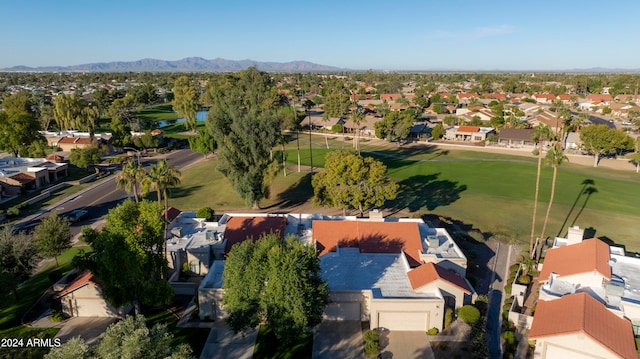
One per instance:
(564, 97)
(468, 129)
(240, 228)
(430, 272)
(580, 313)
(67, 140)
(590, 255)
(23, 178)
(83, 279)
(172, 213)
(466, 95)
(599, 97)
(547, 96)
(370, 237)
(390, 96)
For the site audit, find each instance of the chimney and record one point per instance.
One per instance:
(375, 216)
(575, 235)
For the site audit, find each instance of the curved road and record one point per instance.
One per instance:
(101, 197)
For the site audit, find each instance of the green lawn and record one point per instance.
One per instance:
(158, 112)
(492, 192)
(33, 288)
(267, 346)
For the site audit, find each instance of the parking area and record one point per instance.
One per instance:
(338, 339)
(88, 328)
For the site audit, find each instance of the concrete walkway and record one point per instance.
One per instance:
(88, 328)
(338, 339)
(222, 343)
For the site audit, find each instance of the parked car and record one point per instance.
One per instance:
(77, 215)
(627, 123)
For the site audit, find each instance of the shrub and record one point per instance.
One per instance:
(448, 317)
(511, 343)
(13, 212)
(57, 317)
(507, 289)
(372, 343)
(524, 279)
(469, 314)
(432, 331)
(206, 213)
(22, 205)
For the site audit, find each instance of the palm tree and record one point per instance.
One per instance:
(540, 133)
(555, 157)
(308, 104)
(161, 176)
(282, 141)
(357, 116)
(129, 178)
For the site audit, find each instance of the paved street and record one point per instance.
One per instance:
(496, 296)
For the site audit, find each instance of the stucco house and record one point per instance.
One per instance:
(24, 174)
(82, 297)
(516, 137)
(579, 326)
(468, 133)
(398, 274)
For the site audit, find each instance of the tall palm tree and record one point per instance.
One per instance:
(540, 133)
(282, 141)
(357, 116)
(555, 157)
(129, 178)
(161, 176)
(308, 104)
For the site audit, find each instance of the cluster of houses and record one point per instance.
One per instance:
(588, 302)
(398, 274)
(18, 175)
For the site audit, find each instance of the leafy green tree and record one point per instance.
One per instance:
(395, 126)
(185, 101)
(438, 131)
(244, 131)
(18, 257)
(600, 140)
(131, 338)
(146, 140)
(128, 255)
(84, 157)
(540, 133)
(336, 105)
(121, 109)
(202, 142)
(555, 157)
(52, 236)
(67, 111)
(74, 348)
(18, 126)
(277, 282)
(130, 177)
(352, 181)
(206, 213)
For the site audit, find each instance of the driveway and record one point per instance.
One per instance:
(88, 328)
(223, 343)
(405, 345)
(338, 339)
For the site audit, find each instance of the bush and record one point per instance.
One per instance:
(432, 331)
(206, 213)
(448, 317)
(507, 289)
(469, 314)
(372, 343)
(13, 212)
(511, 343)
(57, 317)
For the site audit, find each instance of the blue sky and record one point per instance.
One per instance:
(393, 35)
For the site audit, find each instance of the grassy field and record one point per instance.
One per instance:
(491, 192)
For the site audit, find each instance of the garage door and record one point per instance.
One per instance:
(92, 308)
(404, 321)
(342, 311)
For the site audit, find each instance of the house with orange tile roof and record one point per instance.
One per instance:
(579, 326)
(390, 97)
(544, 97)
(398, 274)
(82, 297)
(597, 98)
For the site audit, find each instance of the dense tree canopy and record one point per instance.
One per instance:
(18, 257)
(18, 125)
(600, 140)
(274, 281)
(128, 338)
(352, 181)
(245, 128)
(52, 236)
(85, 157)
(185, 100)
(128, 255)
(395, 126)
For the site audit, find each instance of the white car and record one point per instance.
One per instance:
(627, 123)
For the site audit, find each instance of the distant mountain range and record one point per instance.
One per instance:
(189, 64)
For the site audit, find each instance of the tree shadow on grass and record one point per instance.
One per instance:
(183, 191)
(294, 195)
(427, 191)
